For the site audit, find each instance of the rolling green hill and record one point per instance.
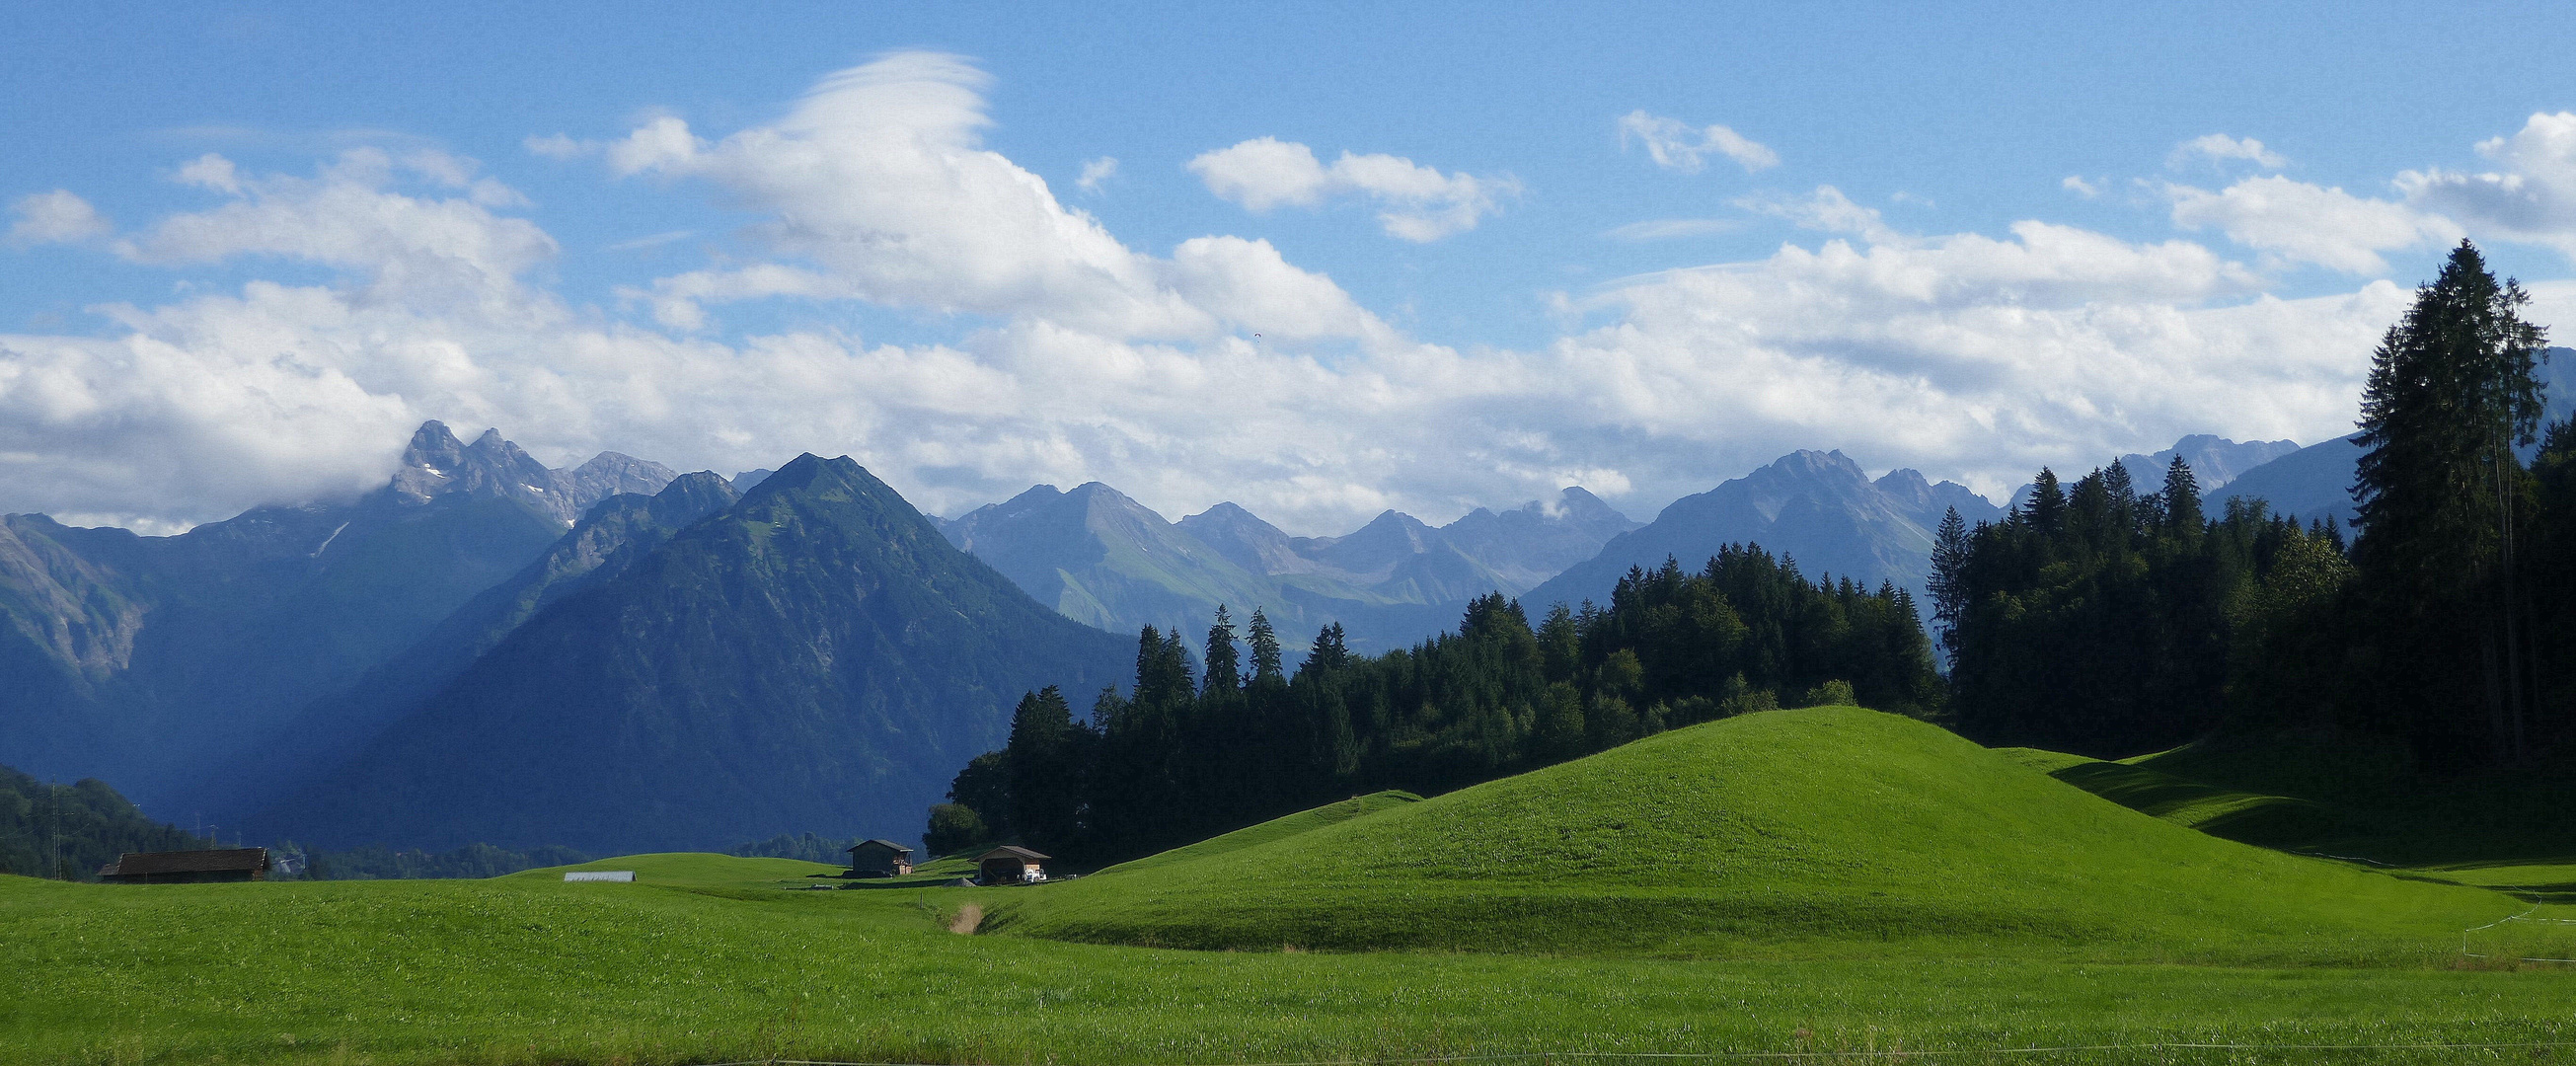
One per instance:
(1833, 830)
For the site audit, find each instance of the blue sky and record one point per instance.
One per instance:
(1643, 248)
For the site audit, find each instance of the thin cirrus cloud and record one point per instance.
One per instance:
(1077, 357)
(1416, 203)
(1676, 145)
(1665, 229)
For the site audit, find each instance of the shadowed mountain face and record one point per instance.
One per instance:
(1818, 508)
(616, 533)
(814, 654)
(148, 660)
(1107, 560)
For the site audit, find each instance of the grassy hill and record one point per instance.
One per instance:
(1826, 830)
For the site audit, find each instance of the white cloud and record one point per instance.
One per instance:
(2297, 222)
(56, 217)
(1676, 146)
(2220, 148)
(348, 216)
(1419, 203)
(1967, 355)
(2080, 187)
(2532, 199)
(875, 187)
(1660, 229)
(1825, 209)
(1096, 171)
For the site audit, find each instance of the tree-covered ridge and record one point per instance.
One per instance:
(69, 831)
(1175, 759)
(2103, 621)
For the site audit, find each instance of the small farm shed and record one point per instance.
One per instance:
(879, 858)
(187, 867)
(1010, 864)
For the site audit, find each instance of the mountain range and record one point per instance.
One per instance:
(615, 657)
(147, 659)
(811, 654)
(1102, 558)
(1818, 508)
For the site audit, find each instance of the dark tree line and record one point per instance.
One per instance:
(68, 831)
(2105, 622)
(1177, 758)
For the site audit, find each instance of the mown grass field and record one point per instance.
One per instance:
(1874, 932)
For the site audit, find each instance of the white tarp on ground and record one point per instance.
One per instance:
(600, 875)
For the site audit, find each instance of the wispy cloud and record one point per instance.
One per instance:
(1096, 171)
(1660, 229)
(653, 241)
(1674, 145)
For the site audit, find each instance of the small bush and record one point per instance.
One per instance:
(1835, 693)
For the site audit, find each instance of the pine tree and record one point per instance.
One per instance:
(2181, 497)
(1224, 661)
(2046, 510)
(2452, 391)
(1265, 649)
(1949, 581)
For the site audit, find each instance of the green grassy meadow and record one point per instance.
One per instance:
(1830, 882)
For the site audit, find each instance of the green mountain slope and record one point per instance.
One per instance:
(1819, 830)
(815, 657)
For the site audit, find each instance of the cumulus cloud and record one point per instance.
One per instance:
(2221, 148)
(1968, 355)
(875, 187)
(1096, 171)
(1418, 203)
(56, 217)
(2531, 199)
(2297, 222)
(1674, 145)
(350, 214)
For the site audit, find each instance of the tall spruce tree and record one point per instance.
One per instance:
(2452, 392)
(1948, 583)
(1265, 649)
(1224, 660)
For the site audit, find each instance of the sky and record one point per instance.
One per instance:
(1317, 259)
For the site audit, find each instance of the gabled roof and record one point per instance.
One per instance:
(1011, 851)
(142, 863)
(886, 844)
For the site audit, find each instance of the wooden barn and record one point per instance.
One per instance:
(1010, 864)
(187, 867)
(879, 858)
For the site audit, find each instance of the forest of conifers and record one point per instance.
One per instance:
(2095, 619)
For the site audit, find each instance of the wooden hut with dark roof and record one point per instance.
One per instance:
(879, 858)
(187, 867)
(1010, 864)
